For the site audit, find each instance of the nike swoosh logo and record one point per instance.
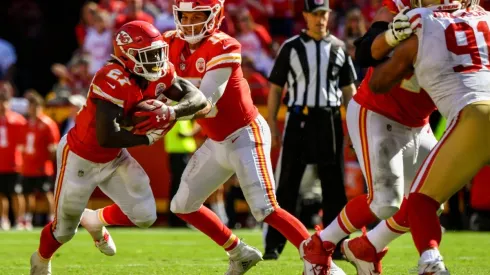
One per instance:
(112, 86)
(226, 46)
(233, 140)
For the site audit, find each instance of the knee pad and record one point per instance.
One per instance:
(64, 235)
(144, 214)
(182, 203)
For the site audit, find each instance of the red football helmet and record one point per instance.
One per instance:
(139, 46)
(214, 9)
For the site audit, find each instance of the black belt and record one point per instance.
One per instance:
(305, 110)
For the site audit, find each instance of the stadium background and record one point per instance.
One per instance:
(48, 32)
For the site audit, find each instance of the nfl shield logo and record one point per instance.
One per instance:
(80, 173)
(319, 2)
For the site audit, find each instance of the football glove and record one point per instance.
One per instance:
(158, 118)
(399, 29)
(155, 134)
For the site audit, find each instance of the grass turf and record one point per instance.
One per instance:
(185, 251)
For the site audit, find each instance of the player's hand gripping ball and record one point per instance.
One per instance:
(153, 114)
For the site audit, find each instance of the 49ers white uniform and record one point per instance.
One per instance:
(457, 78)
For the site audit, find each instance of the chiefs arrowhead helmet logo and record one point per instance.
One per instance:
(123, 38)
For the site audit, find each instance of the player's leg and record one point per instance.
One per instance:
(458, 156)
(75, 181)
(217, 204)
(29, 186)
(6, 180)
(46, 189)
(18, 203)
(379, 152)
(125, 182)
(202, 176)
(250, 157)
(390, 229)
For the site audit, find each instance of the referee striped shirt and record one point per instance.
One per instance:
(313, 70)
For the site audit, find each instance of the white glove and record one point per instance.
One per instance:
(399, 29)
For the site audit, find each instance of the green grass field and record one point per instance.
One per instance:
(165, 251)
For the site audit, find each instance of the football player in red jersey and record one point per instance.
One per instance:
(11, 127)
(239, 139)
(391, 136)
(92, 153)
(39, 141)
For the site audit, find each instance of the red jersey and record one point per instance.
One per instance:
(11, 127)
(39, 140)
(406, 103)
(235, 108)
(114, 84)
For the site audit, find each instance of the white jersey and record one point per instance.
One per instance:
(453, 57)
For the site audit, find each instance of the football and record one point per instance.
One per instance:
(146, 105)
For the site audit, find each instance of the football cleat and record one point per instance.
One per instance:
(363, 256)
(244, 258)
(317, 257)
(5, 225)
(435, 267)
(103, 240)
(40, 266)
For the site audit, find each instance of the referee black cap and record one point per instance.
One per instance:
(316, 5)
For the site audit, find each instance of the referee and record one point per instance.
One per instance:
(319, 76)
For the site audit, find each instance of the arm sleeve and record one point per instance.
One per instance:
(363, 45)
(214, 83)
(280, 70)
(347, 74)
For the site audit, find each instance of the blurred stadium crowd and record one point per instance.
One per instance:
(53, 48)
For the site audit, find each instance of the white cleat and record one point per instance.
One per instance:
(5, 225)
(244, 258)
(435, 267)
(103, 240)
(40, 266)
(28, 226)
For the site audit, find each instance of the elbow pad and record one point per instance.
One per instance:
(364, 43)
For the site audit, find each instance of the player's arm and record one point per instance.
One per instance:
(393, 70)
(382, 37)
(191, 101)
(108, 132)
(213, 87)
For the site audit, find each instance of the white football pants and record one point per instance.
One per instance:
(246, 152)
(389, 154)
(122, 179)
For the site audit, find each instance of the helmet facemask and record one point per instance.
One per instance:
(208, 26)
(150, 62)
